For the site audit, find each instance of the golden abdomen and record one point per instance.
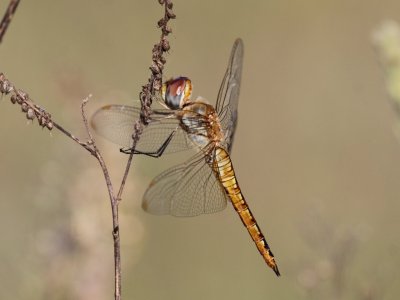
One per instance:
(224, 170)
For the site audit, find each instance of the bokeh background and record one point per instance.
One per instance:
(315, 152)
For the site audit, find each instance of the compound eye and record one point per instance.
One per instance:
(176, 92)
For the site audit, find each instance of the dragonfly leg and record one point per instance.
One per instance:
(155, 154)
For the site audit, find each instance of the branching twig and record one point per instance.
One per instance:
(34, 111)
(7, 17)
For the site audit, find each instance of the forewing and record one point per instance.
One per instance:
(188, 189)
(116, 123)
(228, 95)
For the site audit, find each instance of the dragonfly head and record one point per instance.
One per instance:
(176, 92)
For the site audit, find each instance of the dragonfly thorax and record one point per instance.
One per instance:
(201, 122)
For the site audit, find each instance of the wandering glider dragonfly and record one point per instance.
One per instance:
(205, 182)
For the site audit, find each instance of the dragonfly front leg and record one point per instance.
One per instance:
(154, 154)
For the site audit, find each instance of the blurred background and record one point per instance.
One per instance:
(316, 152)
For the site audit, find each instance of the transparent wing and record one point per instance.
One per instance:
(228, 95)
(188, 189)
(116, 122)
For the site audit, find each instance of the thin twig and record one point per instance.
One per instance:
(114, 206)
(12, 7)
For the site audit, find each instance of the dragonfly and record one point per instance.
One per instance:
(207, 181)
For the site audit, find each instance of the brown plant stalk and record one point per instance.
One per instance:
(45, 120)
(12, 7)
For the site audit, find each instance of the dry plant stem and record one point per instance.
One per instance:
(153, 85)
(8, 17)
(114, 207)
(44, 119)
(34, 111)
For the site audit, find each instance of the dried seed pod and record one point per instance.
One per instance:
(167, 30)
(157, 85)
(160, 65)
(163, 60)
(30, 114)
(161, 22)
(165, 45)
(154, 68)
(170, 14)
(49, 125)
(5, 86)
(24, 107)
(42, 121)
(13, 99)
(21, 96)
